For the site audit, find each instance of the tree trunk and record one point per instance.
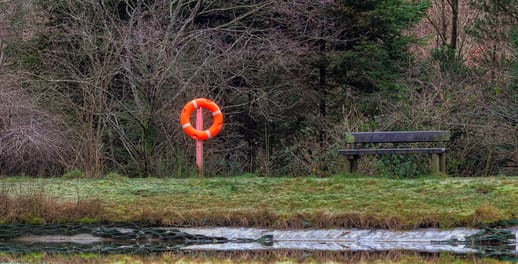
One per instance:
(444, 25)
(454, 23)
(322, 83)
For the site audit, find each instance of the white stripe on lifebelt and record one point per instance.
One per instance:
(195, 104)
(216, 113)
(186, 125)
(208, 134)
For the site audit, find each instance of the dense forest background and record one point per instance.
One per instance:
(97, 86)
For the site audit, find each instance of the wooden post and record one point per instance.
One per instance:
(199, 143)
(442, 163)
(435, 163)
(351, 165)
(348, 166)
(354, 164)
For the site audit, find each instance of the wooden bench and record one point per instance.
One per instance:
(356, 142)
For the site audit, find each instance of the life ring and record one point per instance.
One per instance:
(185, 118)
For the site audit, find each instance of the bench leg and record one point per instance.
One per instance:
(435, 164)
(442, 163)
(438, 163)
(351, 165)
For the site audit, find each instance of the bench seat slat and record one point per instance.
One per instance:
(397, 136)
(356, 152)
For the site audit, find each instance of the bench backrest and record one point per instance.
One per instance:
(397, 137)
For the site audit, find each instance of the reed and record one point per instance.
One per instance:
(32, 205)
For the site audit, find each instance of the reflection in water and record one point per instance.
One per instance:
(143, 247)
(337, 246)
(318, 252)
(260, 256)
(308, 256)
(223, 242)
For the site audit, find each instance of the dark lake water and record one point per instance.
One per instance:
(260, 244)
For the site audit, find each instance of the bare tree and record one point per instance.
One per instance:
(31, 140)
(171, 54)
(443, 21)
(77, 68)
(124, 68)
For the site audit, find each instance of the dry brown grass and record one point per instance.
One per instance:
(38, 209)
(266, 218)
(487, 214)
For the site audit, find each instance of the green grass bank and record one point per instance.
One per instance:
(360, 202)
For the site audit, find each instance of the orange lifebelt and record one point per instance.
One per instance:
(185, 118)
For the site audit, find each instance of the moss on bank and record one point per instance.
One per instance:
(361, 202)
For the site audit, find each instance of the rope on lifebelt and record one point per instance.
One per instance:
(185, 117)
